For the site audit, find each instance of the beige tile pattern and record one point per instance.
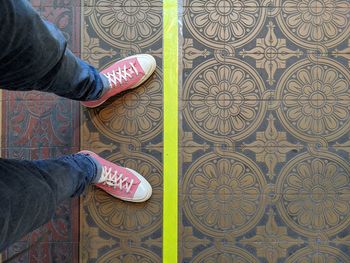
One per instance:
(126, 130)
(264, 131)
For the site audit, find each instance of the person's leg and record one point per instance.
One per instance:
(33, 56)
(31, 190)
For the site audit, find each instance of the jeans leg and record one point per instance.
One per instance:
(31, 190)
(34, 56)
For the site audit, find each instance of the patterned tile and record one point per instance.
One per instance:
(133, 118)
(41, 125)
(65, 14)
(108, 221)
(287, 154)
(43, 122)
(130, 29)
(52, 242)
(264, 141)
(228, 3)
(127, 130)
(132, 5)
(56, 3)
(44, 252)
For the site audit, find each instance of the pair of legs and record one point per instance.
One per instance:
(34, 56)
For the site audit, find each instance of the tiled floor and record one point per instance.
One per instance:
(37, 125)
(264, 130)
(128, 130)
(265, 174)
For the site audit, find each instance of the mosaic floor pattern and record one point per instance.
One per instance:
(127, 130)
(264, 132)
(35, 126)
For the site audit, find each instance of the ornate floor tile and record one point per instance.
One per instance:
(271, 157)
(127, 28)
(96, 51)
(228, 3)
(221, 215)
(130, 255)
(128, 129)
(322, 254)
(36, 126)
(128, 119)
(206, 251)
(44, 123)
(62, 228)
(308, 22)
(124, 3)
(197, 131)
(264, 138)
(56, 3)
(296, 146)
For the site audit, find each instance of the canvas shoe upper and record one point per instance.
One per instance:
(123, 75)
(123, 183)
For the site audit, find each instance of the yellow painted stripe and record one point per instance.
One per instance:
(170, 192)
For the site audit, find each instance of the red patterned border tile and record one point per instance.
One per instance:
(38, 125)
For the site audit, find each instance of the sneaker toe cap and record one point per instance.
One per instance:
(148, 63)
(143, 191)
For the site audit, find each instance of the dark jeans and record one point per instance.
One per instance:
(33, 56)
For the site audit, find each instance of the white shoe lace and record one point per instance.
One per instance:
(113, 179)
(121, 74)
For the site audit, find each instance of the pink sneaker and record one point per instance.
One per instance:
(120, 182)
(125, 74)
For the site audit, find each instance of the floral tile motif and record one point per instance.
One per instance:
(130, 28)
(111, 223)
(229, 3)
(287, 153)
(270, 53)
(135, 117)
(127, 129)
(124, 3)
(271, 147)
(308, 22)
(46, 121)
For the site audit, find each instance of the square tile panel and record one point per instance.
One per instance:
(127, 129)
(38, 126)
(127, 29)
(298, 52)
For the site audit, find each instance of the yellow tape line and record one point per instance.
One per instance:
(170, 190)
